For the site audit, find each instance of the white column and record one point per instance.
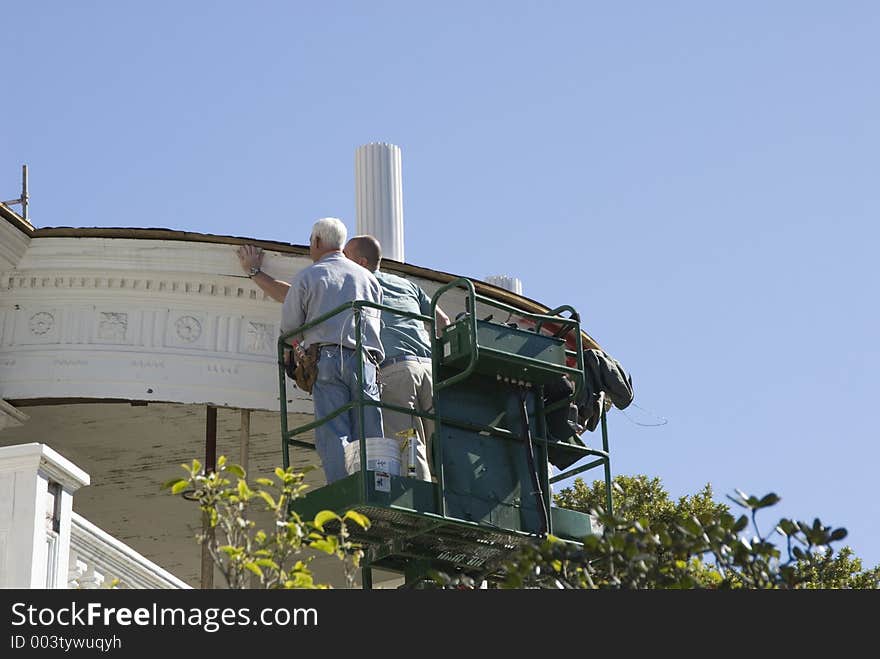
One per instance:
(506, 282)
(36, 504)
(379, 196)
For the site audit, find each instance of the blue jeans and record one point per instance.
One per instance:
(337, 384)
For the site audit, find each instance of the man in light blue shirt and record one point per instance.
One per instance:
(405, 372)
(333, 280)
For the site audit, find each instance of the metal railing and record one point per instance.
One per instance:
(288, 435)
(576, 373)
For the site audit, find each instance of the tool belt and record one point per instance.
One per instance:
(302, 366)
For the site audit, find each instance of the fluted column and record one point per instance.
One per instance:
(506, 282)
(379, 196)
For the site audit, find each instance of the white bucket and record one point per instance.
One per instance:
(383, 454)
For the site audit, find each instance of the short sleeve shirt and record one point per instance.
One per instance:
(403, 336)
(322, 287)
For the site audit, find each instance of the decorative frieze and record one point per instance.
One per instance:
(41, 323)
(150, 328)
(112, 327)
(37, 326)
(260, 338)
(188, 329)
(142, 320)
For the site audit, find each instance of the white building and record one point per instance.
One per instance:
(113, 344)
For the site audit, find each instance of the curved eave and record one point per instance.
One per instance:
(494, 292)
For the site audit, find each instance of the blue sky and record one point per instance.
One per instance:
(699, 180)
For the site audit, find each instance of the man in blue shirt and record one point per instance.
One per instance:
(332, 280)
(405, 373)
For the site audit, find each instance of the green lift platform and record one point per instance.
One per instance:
(489, 449)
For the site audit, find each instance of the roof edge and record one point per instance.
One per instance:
(16, 220)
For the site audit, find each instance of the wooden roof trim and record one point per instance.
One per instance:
(16, 220)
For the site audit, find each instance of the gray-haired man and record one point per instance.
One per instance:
(332, 280)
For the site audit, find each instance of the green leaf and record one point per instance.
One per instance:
(265, 482)
(253, 567)
(326, 545)
(220, 462)
(244, 491)
(301, 580)
(769, 500)
(171, 483)
(179, 486)
(323, 517)
(357, 518)
(691, 525)
(265, 496)
(786, 527)
(235, 470)
(838, 534)
(267, 562)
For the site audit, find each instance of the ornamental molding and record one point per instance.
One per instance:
(126, 349)
(170, 329)
(22, 283)
(145, 320)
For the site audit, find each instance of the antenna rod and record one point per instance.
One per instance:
(23, 200)
(24, 192)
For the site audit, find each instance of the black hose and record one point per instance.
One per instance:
(533, 471)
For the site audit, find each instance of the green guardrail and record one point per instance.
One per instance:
(570, 325)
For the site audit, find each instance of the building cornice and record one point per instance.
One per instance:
(289, 249)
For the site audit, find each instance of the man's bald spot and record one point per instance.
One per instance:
(368, 248)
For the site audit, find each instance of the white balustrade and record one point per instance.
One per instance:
(98, 560)
(44, 544)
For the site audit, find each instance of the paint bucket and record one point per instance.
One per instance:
(383, 454)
